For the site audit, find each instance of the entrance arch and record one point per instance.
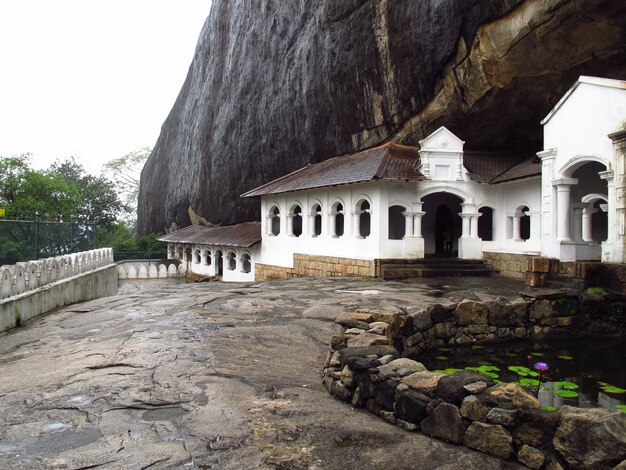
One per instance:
(441, 224)
(219, 263)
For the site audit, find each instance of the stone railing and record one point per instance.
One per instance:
(32, 288)
(364, 367)
(23, 277)
(151, 269)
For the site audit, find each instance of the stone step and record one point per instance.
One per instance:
(434, 267)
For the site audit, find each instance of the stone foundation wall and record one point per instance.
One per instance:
(364, 367)
(509, 264)
(316, 266)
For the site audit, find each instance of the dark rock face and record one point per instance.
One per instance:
(277, 85)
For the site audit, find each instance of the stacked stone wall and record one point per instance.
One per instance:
(364, 367)
(316, 266)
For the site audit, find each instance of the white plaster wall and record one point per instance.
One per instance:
(509, 197)
(580, 126)
(279, 250)
(229, 275)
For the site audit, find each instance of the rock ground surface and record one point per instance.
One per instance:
(207, 375)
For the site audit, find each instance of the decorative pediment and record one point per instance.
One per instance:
(442, 140)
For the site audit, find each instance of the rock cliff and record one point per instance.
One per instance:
(275, 86)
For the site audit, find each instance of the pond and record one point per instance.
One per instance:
(587, 372)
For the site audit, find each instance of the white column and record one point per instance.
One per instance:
(417, 223)
(408, 224)
(611, 213)
(465, 220)
(587, 217)
(577, 224)
(290, 225)
(474, 225)
(356, 224)
(516, 235)
(564, 208)
(331, 225)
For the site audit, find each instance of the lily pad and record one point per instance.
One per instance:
(444, 349)
(566, 358)
(565, 385)
(441, 358)
(538, 354)
(520, 370)
(529, 382)
(621, 408)
(478, 346)
(565, 393)
(548, 408)
(511, 355)
(612, 389)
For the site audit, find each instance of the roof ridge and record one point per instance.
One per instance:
(509, 168)
(278, 179)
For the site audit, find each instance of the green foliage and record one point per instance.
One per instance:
(125, 246)
(565, 393)
(566, 358)
(565, 385)
(621, 408)
(595, 291)
(529, 382)
(523, 371)
(548, 408)
(612, 389)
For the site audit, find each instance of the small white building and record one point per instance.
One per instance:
(229, 252)
(348, 214)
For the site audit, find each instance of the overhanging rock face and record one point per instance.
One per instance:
(277, 85)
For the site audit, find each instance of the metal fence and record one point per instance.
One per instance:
(24, 240)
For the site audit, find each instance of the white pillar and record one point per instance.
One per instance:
(474, 225)
(290, 225)
(331, 228)
(417, 223)
(408, 224)
(356, 224)
(564, 208)
(587, 217)
(610, 182)
(516, 235)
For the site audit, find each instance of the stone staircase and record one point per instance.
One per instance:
(433, 267)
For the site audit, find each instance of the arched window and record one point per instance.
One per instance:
(365, 219)
(171, 251)
(524, 224)
(207, 257)
(316, 215)
(180, 252)
(274, 221)
(397, 224)
(246, 264)
(338, 220)
(296, 221)
(231, 261)
(485, 224)
(198, 256)
(188, 254)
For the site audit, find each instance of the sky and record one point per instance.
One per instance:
(94, 79)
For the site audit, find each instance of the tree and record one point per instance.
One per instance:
(100, 203)
(125, 172)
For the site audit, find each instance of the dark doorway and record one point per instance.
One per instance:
(397, 224)
(219, 259)
(485, 224)
(444, 231)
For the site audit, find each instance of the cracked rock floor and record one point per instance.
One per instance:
(208, 376)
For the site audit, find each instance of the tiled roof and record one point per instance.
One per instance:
(390, 161)
(242, 235)
(492, 167)
(528, 167)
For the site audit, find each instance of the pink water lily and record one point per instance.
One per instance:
(541, 366)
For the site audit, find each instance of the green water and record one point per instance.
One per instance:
(581, 372)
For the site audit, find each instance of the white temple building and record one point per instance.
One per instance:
(348, 214)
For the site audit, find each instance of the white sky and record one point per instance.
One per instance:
(91, 78)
